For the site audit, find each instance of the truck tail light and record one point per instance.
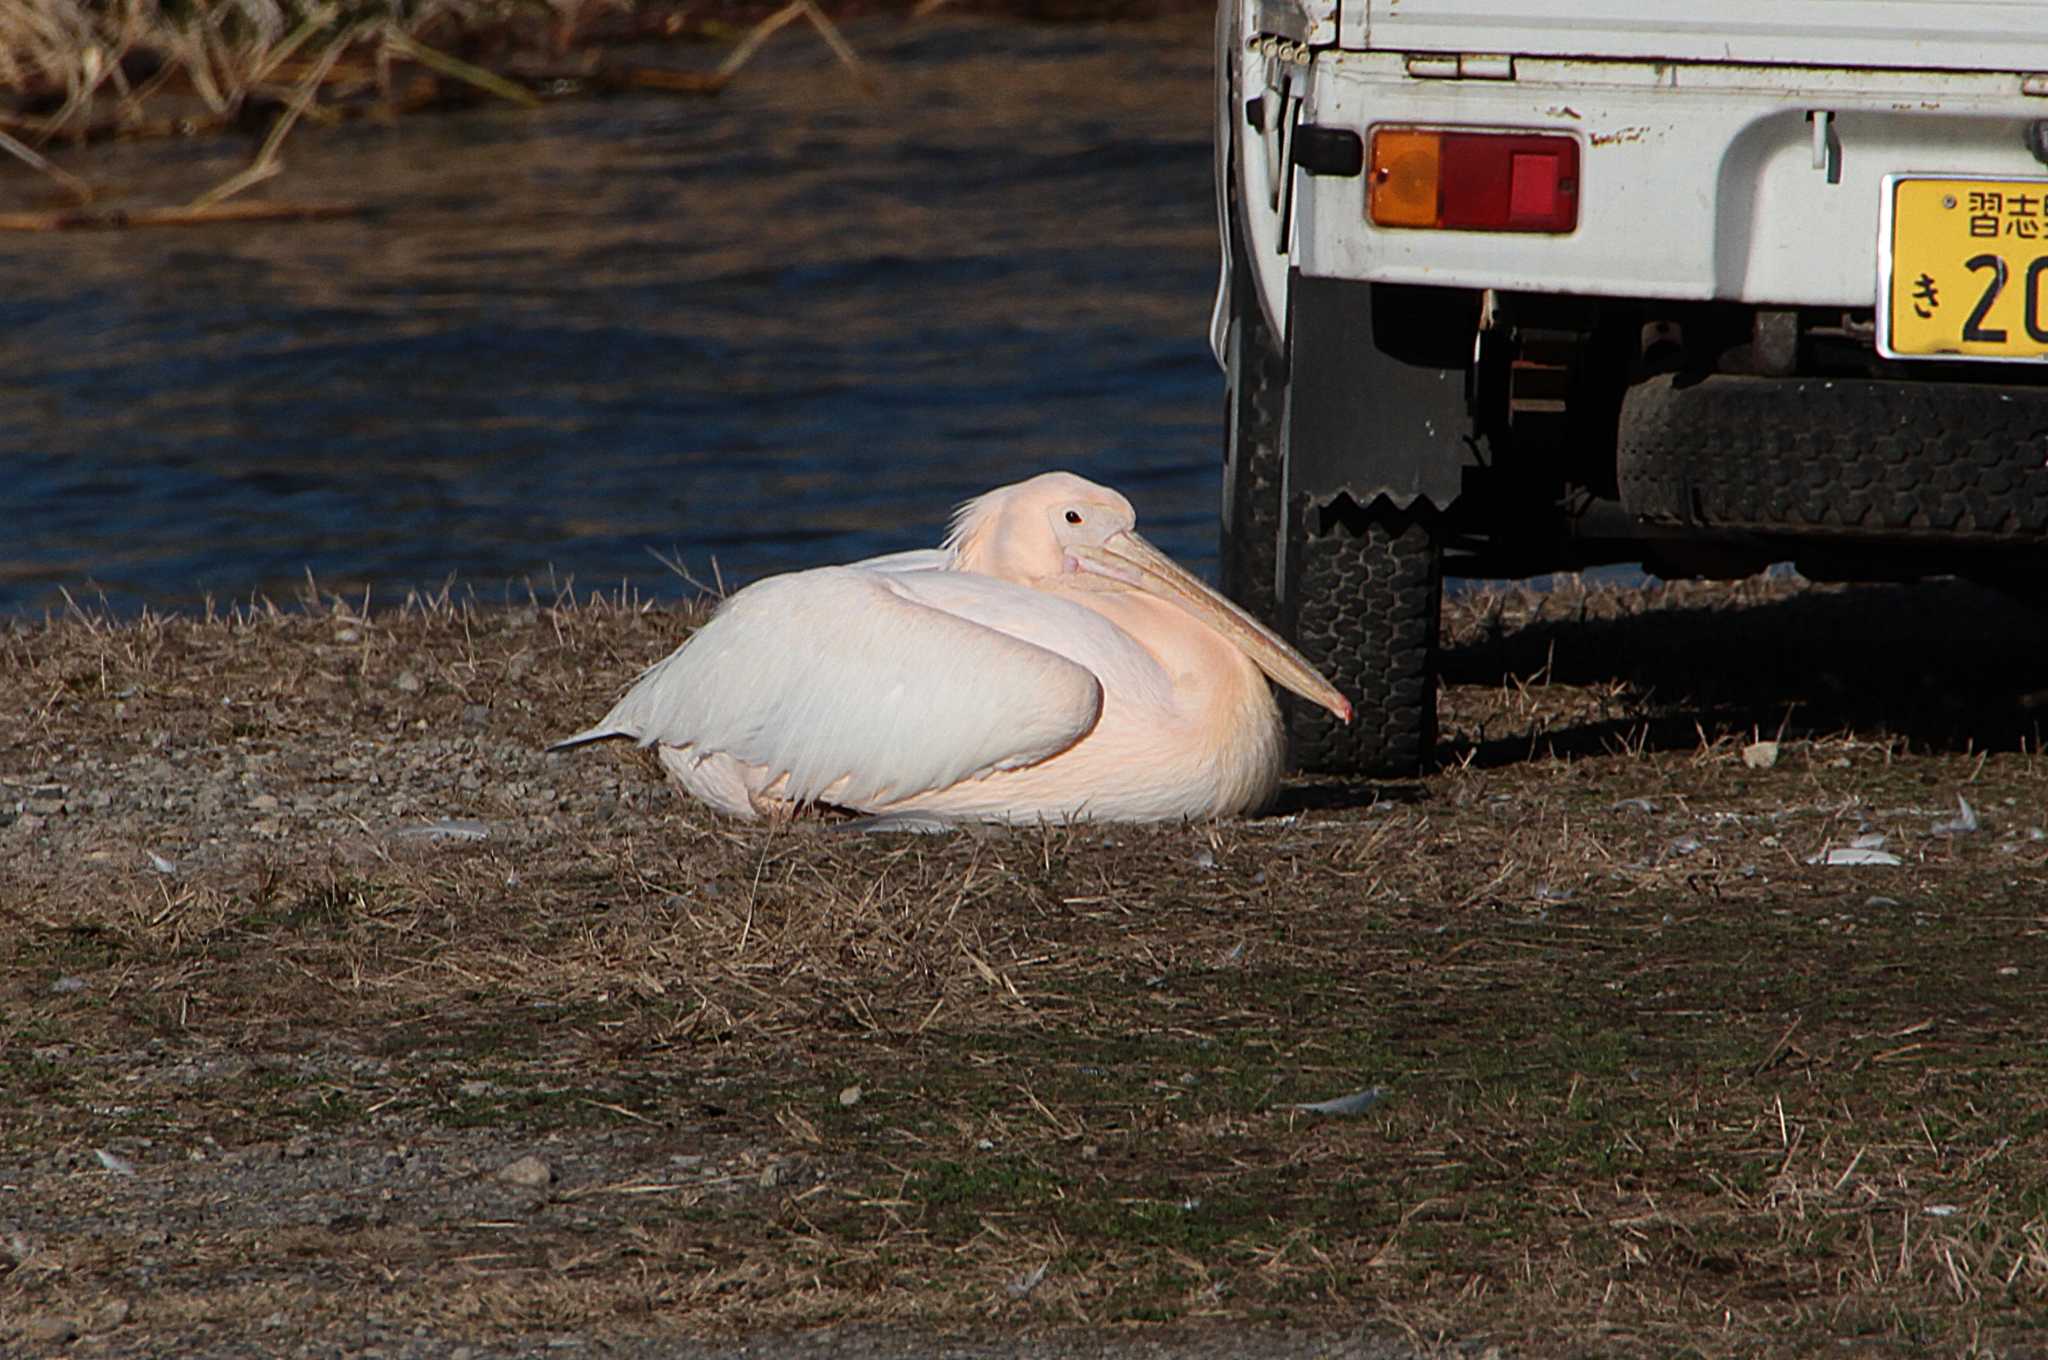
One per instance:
(1472, 181)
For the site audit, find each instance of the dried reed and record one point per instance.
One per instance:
(86, 70)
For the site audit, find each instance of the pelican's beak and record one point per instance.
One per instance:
(1127, 557)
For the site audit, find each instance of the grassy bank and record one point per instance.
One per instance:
(70, 68)
(82, 71)
(75, 70)
(312, 942)
(78, 72)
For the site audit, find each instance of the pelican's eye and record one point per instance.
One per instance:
(1073, 516)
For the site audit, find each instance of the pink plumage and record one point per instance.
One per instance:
(1045, 664)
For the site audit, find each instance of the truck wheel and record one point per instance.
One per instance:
(1365, 587)
(1366, 597)
(1848, 456)
(1255, 409)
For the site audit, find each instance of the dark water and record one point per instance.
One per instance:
(786, 326)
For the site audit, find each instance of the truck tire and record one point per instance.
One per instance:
(1364, 589)
(1366, 596)
(1255, 409)
(1840, 456)
(1366, 593)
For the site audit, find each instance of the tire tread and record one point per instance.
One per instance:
(1849, 456)
(1367, 601)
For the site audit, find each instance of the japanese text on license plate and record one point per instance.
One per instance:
(1964, 270)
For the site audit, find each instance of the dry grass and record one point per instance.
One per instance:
(1656, 1084)
(65, 57)
(74, 71)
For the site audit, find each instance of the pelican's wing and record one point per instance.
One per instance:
(913, 559)
(842, 679)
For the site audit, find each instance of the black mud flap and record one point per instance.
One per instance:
(1377, 407)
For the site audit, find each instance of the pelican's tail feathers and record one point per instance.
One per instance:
(600, 732)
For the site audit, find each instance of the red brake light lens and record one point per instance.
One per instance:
(1473, 181)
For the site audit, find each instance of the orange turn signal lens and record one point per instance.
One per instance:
(1403, 177)
(1473, 181)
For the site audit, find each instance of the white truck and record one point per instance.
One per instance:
(1515, 286)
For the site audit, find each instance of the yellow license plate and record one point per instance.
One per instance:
(1964, 268)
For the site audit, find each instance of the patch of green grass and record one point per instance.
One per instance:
(27, 1080)
(955, 1195)
(281, 1097)
(332, 1109)
(64, 950)
(34, 1029)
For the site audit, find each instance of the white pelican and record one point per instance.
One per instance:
(1046, 663)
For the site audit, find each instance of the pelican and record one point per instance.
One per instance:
(1045, 663)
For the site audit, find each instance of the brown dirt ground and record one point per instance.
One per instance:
(306, 941)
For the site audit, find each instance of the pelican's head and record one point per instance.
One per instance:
(1059, 525)
(1023, 532)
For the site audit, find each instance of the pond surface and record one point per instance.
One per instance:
(785, 326)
